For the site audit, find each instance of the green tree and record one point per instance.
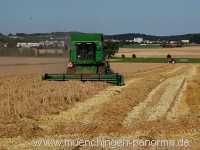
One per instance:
(164, 44)
(12, 43)
(195, 38)
(110, 48)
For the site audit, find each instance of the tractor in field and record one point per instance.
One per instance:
(86, 61)
(170, 59)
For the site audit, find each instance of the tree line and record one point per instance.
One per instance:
(194, 38)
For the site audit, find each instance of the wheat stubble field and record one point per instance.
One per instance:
(191, 52)
(159, 101)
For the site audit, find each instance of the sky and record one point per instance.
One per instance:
(156, 17)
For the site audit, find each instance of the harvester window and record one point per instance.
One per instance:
(86, 51)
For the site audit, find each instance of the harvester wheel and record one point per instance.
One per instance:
(173, 61)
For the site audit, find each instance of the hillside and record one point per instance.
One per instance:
(195, 38)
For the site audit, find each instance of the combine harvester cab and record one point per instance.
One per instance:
(86, 61)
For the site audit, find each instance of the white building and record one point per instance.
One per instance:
(130, 41)
(138, 40)
(148, 42)
(172, 42)
(28, 45)
(185, 41)
(42, 43)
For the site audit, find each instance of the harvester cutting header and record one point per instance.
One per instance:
(86, 61)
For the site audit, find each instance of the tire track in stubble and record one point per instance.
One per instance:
(109, 116)
(160, 100)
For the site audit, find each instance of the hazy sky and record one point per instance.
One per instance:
(159, 17)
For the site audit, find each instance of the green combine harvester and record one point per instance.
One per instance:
(86, 61)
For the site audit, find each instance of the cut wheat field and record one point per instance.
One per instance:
(189, 52)
(159, 101)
